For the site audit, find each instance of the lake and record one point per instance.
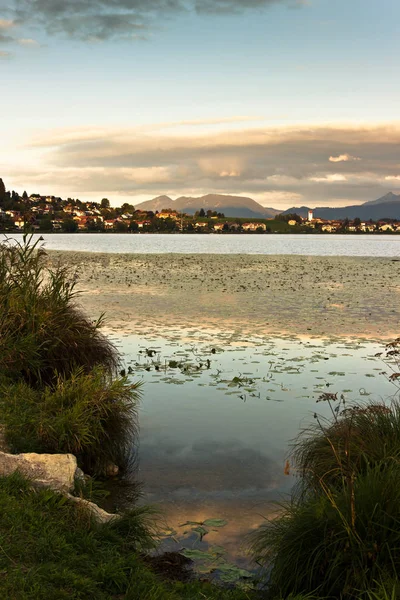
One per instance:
(306, 245)
(217, 416)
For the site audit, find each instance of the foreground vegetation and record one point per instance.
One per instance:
(60, 392)
(339, 537)
(51, 549)
(59, 384)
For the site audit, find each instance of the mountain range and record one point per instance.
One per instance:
(388, 206)
(231, 206)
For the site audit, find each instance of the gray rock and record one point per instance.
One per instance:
(56, 471)
(98, 513)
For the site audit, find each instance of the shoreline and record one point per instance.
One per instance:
(261, 294)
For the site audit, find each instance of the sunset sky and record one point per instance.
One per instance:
(290, 102)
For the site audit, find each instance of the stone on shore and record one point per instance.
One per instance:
(56, 471)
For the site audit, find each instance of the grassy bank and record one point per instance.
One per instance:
(51, 549)
(61, 391)
(59, 385)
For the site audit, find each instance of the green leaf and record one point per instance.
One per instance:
(197, 554)
(215, 523)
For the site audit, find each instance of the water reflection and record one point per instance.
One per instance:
(217, 418)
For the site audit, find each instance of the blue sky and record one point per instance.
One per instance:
(260, 98)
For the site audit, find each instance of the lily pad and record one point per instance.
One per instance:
(215, 523)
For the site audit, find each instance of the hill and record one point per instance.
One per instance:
(231, 206)
(365, 212)
(386, 207)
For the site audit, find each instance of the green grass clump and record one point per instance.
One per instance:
(43, 333)
(364, 435)
(59, 387)
(52, 549)
(339, 537)
(90, 415)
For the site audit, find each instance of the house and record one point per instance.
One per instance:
(142, 224)
(19, 223)
(328, 227)
(57, 224)
(168, 214)
(218, 226)
(292, 222)
(201, 225)
(253, 226)
(367, 227)
(386, 227)
(109, 223)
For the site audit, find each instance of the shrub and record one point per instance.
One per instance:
(360, 437)
(59, 390)
(339, 537)
(43, 333)
(90, 415)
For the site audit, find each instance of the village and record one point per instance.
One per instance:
(53, 214)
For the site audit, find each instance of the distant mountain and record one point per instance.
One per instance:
(386, 199)
(231, 206)
(386, 207)
(389, 210)
(158, 203)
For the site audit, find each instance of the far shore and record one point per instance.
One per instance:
(248, 294)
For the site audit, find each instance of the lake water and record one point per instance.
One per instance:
(306, 245)
(216, 420)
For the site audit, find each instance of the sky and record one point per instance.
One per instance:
(289, 102)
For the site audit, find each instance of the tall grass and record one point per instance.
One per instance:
(53, 549)
(90, 415)
(59, 388)
(339, 537)
(43, 333)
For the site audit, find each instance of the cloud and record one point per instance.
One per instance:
(6, 23)
(280, 166)
(5, 39)
(97, 20)
(342, 158)
(330, 178)
(4, 54)
(29, 42)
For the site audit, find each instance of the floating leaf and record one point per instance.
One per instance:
(197, 554)
(200, 531)
(190, 523)
(215, 523)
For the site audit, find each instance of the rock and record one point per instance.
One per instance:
(56, 471)
(98, 513)
(111, 470)
(80, 476)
